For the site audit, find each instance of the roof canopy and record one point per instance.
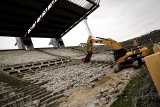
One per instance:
(17, 17)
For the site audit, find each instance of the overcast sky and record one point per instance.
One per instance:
(116, 19)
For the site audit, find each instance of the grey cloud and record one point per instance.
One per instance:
(126, 18)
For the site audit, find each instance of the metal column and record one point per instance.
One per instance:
(87, 27)
(24, 43)
(57, 42)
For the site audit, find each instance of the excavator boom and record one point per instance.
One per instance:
(122, 56)
(104, 41)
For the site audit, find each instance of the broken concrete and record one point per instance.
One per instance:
(72, 84)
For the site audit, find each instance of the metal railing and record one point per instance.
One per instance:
(87, 4)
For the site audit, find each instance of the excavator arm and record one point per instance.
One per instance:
(104, 41)
(122, 57)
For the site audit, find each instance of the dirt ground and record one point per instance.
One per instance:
(102, 92)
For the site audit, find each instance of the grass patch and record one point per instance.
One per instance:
(139, 92)
(151, 51)
(125, 99)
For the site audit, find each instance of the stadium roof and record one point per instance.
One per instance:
(18, 15)
(22, 17)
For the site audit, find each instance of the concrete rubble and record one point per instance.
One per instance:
(17, 57)
(75, 76)
(73, 84)
(70, 84)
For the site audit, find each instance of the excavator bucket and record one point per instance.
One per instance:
(87, 58)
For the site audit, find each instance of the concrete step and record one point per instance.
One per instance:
(19, 75)
(3, 84)
(38, 83)
(4, 88)
(27, 100)
(54, 103)
(46, 97)
(12, 81)
(42, 83)
(24, 72)
(40, 97)
(30, 90)
(7, 93)
(28, 73)
(10, 99)
(23, 89)
(51, 104)
(39, 93)
(52, 99)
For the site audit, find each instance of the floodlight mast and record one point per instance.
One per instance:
(87, 27)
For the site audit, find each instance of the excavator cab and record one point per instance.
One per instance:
(119, 53)
(123, 57)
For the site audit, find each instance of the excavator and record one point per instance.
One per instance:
(123, 57)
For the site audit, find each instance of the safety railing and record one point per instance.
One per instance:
(87, 4)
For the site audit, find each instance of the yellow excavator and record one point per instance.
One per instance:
(122, 56)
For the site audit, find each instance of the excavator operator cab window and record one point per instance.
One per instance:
(119, 53)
